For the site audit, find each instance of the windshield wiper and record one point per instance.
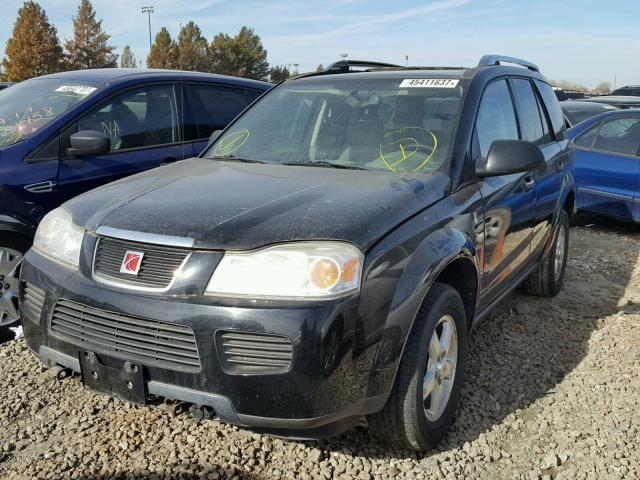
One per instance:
(323, 164)
(233, 158)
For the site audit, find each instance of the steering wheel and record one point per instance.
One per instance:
(400, 148)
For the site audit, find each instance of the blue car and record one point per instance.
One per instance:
(66, 133)
(607, 166)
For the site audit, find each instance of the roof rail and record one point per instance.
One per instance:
(344, 65)
(499, 59)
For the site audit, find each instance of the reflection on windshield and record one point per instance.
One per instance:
(27, 107)
(391, 124)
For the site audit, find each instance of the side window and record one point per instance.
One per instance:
(143, 117)
(619, 136)
(253, 94)
(496, 116)
(210, 108)
(528, 112)
(585, 140)
(553, 107)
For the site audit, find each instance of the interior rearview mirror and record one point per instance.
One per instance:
(214, 136)
(88, 142)
(510, 156)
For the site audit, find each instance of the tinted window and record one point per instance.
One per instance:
(547, 136)
(528, 113)
(253, 94)
(553, 108)
(586, 139)
(142, 117)
(211, 108)
(496, 117)
(619, 136)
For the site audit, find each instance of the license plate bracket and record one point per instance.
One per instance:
(126, 383)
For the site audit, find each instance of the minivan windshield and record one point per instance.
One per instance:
(27, 107)
(388, 124)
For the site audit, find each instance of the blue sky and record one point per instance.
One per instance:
(586, 41)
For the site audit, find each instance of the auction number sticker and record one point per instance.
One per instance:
(79, 89)
(429, 83)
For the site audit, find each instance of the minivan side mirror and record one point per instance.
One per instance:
(88, 142)
(510, 156)
(214, 136)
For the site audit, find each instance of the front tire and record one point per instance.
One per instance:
(421, 406)
(12, 250)
(547, 279)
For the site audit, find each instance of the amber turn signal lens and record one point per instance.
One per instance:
(350, 269)
(324, 273)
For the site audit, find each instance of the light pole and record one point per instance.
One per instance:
(406, 59)
(148, 10)
(344, 56)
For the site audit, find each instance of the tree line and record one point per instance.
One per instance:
(35, 49)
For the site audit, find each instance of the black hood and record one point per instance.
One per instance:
(238, 206)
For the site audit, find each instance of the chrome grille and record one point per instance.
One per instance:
(159, 264)
(149, 342)
(243, 352)
(32, 302)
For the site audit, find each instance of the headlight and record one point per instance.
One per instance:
(58, 238)
(296, 270)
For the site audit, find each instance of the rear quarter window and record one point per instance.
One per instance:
(553, 108)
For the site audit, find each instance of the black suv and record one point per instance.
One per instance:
(326, 256)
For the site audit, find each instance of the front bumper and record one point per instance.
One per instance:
(321, 393)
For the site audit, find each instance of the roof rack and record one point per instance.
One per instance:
(344, 65)
(488, 60)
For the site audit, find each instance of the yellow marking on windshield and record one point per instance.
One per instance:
(231, 142)
(404, 155)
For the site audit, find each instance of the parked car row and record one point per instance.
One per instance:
(67, 133)
(324, 258)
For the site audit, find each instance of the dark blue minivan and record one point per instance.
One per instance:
(66, 133)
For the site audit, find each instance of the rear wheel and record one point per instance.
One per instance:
(12, 250)
(425, 394)
(547, 279)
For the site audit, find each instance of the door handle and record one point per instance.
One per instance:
(529, 183)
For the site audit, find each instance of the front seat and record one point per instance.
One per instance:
(364, 133)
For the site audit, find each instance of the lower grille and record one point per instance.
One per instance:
(32, 303)
(243, 352)
(149, 342)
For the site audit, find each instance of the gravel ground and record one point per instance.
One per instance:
(552, 392)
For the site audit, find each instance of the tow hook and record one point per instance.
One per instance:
(202, 413)
(62, 372)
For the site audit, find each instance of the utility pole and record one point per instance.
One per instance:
(344, 56)
(148, 9)
(406, 60)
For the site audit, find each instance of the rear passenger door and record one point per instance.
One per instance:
(143, 127)
(208, 108)
(608, 168)
(535, 128)
(509, 209)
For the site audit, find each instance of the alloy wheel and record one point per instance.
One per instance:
(560, 252)
(10, 260)
(441, 368)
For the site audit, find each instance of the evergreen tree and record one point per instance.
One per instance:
(320, 68)
(89, 48)
(278, 74)
(242, 55)
(34, 48)
(127, 59)
(164, 51)
(192, 49)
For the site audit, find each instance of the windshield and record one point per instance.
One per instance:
(29, 106)
(390, 124)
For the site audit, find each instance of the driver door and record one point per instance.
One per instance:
(142, 125)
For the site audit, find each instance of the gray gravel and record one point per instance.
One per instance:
(553, 391)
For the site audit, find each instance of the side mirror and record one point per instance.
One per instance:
(214, 136)
(511, 156)
(88, 142)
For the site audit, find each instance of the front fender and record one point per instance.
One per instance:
(428, 260)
